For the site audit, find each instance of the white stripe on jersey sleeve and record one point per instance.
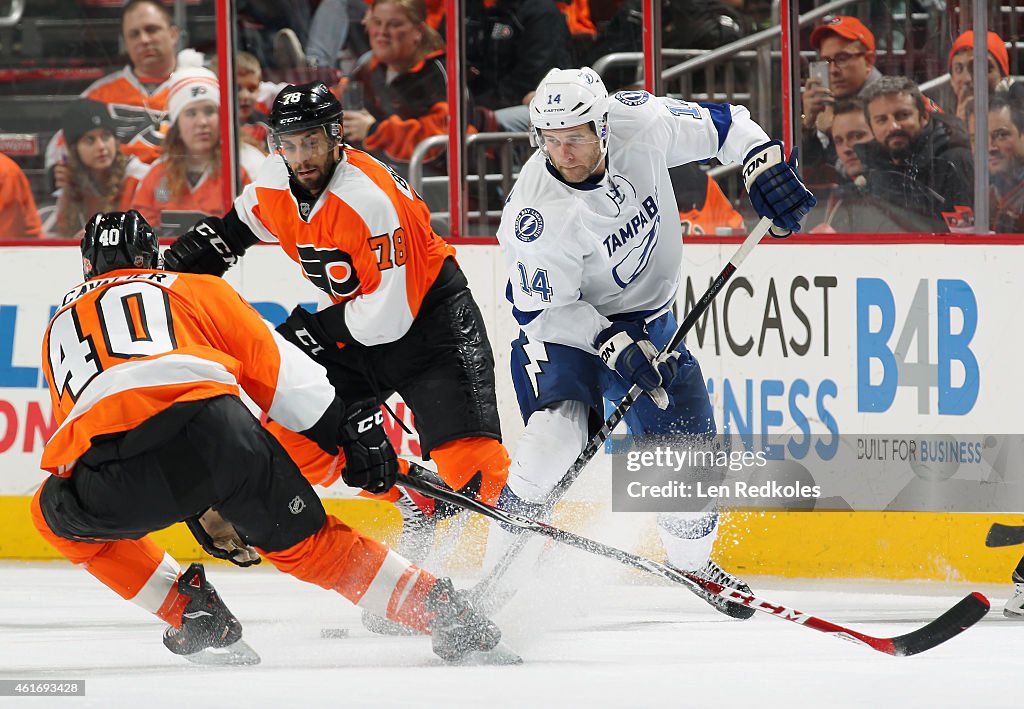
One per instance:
(154, 372)
(274, 174)
(383, 315)
(302, 393)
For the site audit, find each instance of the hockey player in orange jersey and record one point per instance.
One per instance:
(145, 369)
(396, 312)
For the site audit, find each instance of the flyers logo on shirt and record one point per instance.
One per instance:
(330, 270)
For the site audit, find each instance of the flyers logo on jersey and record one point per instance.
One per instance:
(529, 224)
(330, 270)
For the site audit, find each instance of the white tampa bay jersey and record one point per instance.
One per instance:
(577, 255)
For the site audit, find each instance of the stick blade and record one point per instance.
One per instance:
(1004, 535)
(968, 611)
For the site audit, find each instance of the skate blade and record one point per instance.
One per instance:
(382, 626)
(500, 654)
(237, 653)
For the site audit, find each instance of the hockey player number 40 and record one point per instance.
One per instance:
(135, 322)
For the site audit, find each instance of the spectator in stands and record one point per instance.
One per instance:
(849, 49)
(582, 30)
(703, 207)
(510, 46)
(97, 176)
(961, 67)
(1006, 163)
(185, 183)
(252, 122)
(404, 83)
(137, 93)
(919, 161)
(19, 218)
(850, 208)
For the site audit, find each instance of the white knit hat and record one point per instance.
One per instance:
(191, 85)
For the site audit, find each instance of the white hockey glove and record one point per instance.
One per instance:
(627, 349)
(219, 539)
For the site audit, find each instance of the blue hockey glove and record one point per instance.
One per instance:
(775, 188)
(627, 349)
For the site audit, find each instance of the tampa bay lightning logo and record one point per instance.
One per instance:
(632, 98)
(529, 224)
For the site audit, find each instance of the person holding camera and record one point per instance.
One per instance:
(846, 67)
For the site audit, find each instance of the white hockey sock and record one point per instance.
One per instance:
(688, 537)
(550, 444)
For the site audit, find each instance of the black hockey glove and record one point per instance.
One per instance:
(370, 461)
(201, 249)
(303, 329)
(220, 540)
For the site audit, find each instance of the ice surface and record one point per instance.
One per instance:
(591, 636)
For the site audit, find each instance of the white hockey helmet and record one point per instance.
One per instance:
(567, 98)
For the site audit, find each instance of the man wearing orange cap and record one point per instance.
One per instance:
(961, 67)
(849, 48)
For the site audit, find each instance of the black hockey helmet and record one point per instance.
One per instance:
(116, 240)
(303, 107)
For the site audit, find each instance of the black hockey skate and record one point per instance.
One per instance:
(460, 633)
(209, 634)
(714, 572)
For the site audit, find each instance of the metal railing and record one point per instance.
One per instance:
(483, 151)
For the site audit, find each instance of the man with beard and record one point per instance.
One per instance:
(396, 312)
(919, 161)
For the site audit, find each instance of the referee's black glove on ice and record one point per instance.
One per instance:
(370, 461)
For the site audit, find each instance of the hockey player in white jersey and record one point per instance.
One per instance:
(593, 244)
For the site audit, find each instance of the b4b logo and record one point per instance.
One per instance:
(887, 359)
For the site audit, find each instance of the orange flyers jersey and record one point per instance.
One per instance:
(18, 216)
(367, 241)
(127, 345)
(153, 196)
(139, 109)
(716, 213)
(140, 112)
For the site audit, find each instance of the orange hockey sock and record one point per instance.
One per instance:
(458, 461)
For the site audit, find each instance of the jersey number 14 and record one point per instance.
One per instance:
(537, 283)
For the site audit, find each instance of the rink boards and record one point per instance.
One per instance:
(824, 343)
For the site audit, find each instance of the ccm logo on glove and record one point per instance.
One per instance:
(375, 419)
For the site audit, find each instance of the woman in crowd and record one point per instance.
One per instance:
(185, 183)
(97, 176)
(404, 83)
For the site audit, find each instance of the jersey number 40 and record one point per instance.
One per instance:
(134, 321)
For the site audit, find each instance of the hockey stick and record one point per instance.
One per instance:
(484, 586)
(968, 611)
(1004, 535)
